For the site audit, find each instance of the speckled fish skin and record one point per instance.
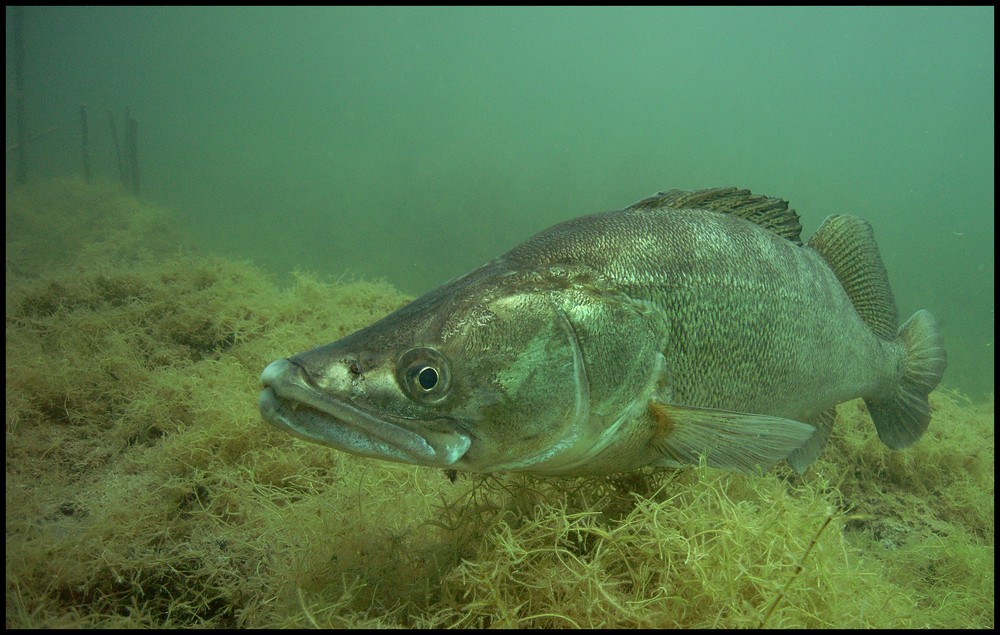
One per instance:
(688, 325)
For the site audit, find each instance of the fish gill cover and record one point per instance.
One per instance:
(143, 490)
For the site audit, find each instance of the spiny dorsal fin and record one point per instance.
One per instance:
(847, 244)
(770, 213)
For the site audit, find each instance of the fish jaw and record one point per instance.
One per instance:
(291, 403)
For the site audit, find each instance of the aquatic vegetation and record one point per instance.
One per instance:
(142, 489)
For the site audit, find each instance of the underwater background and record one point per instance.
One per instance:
(305, 171)
(414, 144)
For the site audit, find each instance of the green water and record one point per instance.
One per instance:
(415, 144)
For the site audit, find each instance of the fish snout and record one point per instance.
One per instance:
(276, 372)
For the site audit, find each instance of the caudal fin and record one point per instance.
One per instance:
(903, 417)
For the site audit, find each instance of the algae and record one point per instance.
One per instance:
(143, 490)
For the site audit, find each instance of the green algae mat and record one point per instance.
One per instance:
(143, 490)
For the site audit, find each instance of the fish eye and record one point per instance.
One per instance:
(427, 378)
(423, 374)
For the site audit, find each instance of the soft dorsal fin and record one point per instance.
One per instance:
(847, 244)
(772, 214)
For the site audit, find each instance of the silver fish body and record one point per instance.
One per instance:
(689, 324)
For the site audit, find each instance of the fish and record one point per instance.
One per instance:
(690, 326)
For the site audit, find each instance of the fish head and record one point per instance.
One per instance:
(484, 374)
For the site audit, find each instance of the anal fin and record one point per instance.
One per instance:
(801, 458)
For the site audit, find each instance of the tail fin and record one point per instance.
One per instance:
(903, 418)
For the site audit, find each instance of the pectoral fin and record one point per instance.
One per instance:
(728, 440)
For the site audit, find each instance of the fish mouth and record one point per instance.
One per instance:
(289, 402)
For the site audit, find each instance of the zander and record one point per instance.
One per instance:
(688, 324)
